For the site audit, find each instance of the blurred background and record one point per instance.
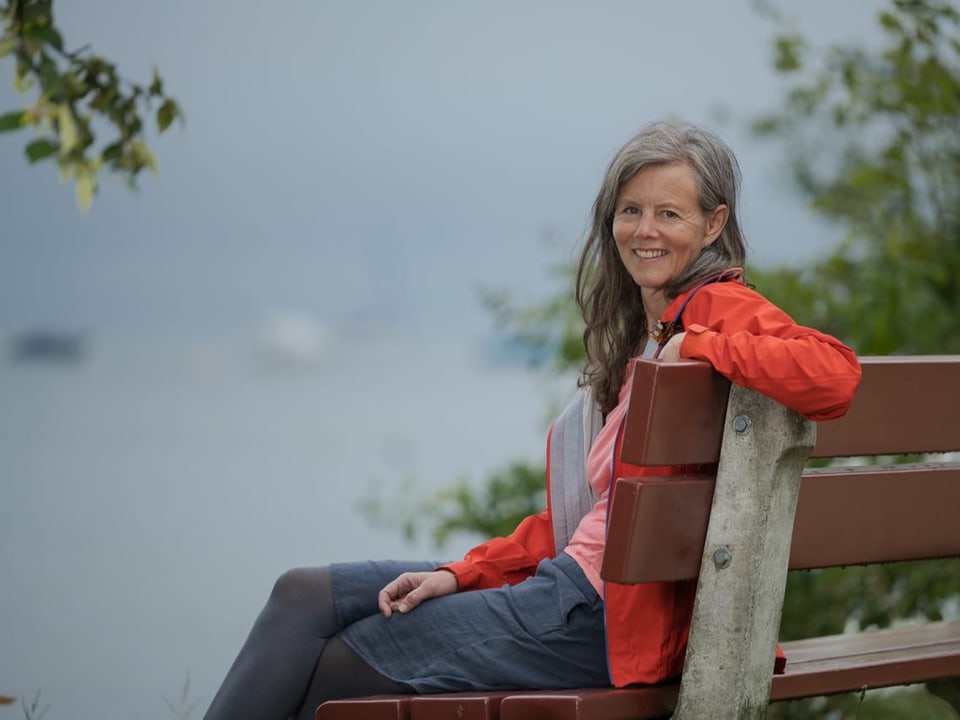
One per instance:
(202, 381)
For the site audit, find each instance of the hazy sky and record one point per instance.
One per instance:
(374, 162)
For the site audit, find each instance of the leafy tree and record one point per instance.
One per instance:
(874, 143)
(77, 94)
(873, 140)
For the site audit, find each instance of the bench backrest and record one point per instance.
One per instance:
(845, 515)
(733, 532)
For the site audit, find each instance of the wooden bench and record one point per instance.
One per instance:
(733, 532)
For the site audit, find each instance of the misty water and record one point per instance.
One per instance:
(153, 489)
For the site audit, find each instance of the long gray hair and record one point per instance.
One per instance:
(609, 299)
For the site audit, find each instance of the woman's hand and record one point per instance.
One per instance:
(412, 588)
(671, 351)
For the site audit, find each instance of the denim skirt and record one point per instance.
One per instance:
(546, 632)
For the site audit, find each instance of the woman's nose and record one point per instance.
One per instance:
(646, 226)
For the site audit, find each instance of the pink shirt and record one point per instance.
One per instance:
(586, 545)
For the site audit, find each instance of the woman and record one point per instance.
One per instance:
(660, 276)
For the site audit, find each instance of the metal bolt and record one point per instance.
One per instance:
(722, 558)
(741, 424)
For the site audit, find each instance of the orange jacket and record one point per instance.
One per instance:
(753, 343)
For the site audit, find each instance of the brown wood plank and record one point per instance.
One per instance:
(846, 516)
(905, 404)
(375, 707)
(852, 517)
(676, 414)
(880, 658)
(657, 528)
(633, 703)
(456, 706)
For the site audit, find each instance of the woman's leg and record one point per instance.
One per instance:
(275, 664)
(341, 673)
(278, 661)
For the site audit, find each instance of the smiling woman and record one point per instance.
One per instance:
(530, 610)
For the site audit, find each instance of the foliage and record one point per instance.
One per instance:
(492, 510)
(873, 139)
(78, 94)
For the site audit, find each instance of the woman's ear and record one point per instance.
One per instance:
(715, 224)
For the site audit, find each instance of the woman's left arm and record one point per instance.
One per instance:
(755, 344)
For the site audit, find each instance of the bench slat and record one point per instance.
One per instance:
(677, 411)
(921, 392)
(456, 706)
(634, 703)
(657, 529)
(658, 525)
(676, 414)
(375, 707)
(872, 659)
(914, 513)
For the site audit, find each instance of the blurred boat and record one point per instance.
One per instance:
(42, 346)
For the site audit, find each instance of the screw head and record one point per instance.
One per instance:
(741, 424)
(722, 558)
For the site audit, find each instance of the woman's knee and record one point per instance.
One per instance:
(303, 586)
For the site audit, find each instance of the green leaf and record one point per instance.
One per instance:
(86, 187)
(7, 46)
(167, 113)
(68, 128)
(112, 152)
(40, 149)
(13, 120)
(156, 86)
(890, 22)
(143, 155)
(788, 50)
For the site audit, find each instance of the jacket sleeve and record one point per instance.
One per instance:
(506, 560)
(757, 345)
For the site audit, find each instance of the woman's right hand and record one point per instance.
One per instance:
(671, 351)
(412, 588)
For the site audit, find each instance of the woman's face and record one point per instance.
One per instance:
(660, 229)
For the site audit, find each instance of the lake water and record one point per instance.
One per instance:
(151, 492)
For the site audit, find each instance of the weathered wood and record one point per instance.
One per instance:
(743, 571)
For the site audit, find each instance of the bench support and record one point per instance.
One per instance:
(736, 616)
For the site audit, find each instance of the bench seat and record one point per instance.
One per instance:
(816, 666)
(870, 659)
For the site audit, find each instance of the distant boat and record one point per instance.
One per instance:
(41, 346)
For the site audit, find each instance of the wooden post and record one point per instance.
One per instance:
(736, 616)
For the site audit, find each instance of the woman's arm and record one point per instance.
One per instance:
(506, 560)
(757, 345)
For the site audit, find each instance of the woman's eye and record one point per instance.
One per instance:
(630, 210)
(670, 214)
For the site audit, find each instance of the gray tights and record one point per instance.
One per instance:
(293, 660)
